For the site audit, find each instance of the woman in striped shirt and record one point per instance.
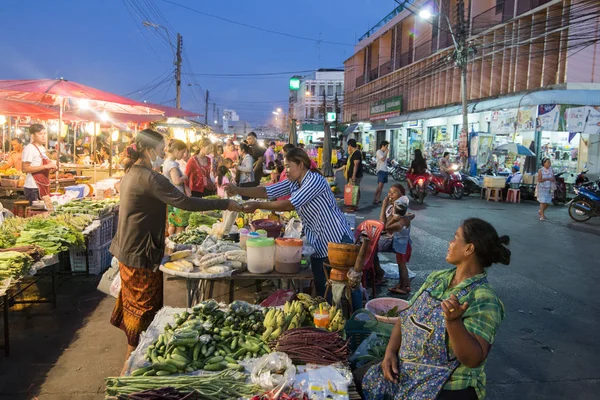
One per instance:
(311, 197)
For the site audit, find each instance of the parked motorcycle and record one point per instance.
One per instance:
(560, 193)
(397, 171)
(587, 202)
(454, 186)
(470, 183)
(581, 178)
(369, 165)
(419, 188)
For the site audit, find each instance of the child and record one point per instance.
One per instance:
(223, 178)
(396, 234)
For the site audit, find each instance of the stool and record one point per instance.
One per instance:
(513, 196)
(20, 208)
(494, 194)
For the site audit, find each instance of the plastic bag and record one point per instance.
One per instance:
(293, 229)
(273, 370)
(371, 349)
(324, 383)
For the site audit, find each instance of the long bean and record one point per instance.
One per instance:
(313, 346)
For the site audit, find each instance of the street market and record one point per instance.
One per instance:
(413, 218)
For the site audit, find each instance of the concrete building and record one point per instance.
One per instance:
(305, 104)
(533, 77)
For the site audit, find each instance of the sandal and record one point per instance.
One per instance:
(397, 290)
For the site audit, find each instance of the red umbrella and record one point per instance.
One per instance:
(20, 109)
(175, 112)
(56, 92)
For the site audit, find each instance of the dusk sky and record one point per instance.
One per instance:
(103, 44)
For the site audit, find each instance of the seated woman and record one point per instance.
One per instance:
(439, 346)
(396, 236)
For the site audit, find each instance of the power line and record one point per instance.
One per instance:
(258, 28)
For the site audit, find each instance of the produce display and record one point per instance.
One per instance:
(33, 251)
(96, 208)
(11, 172)
(198, 219)
(50, 234)
(167, 393)
(224, 385)
(14, 264)
(190, 236)
(299, 313)
(312, 346)
(212, 257)
(208, 339)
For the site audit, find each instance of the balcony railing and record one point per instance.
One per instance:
(385, 68)
(423, 50)
(404, 59)
(373, 74)
(360, 81)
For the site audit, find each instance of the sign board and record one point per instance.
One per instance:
(386, 108)
(294, 83)
(330, 117)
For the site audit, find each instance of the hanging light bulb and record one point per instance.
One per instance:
(115, 135)
(2, 119)
(84, 104)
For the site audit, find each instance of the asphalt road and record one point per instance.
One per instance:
(547, 346)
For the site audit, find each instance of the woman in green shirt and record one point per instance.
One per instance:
(440, 344)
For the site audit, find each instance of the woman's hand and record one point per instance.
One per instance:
(453, 310)
(389, 366)
(230, 189)
(251, 206)
(234, 206)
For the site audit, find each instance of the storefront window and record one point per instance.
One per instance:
(562, 148)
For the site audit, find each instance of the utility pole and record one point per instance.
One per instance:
(327, 169)
(206, 109)
(178, 70)
(214, 112)
(336, 109)
(461, 63)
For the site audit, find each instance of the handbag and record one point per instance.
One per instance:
(351, 195)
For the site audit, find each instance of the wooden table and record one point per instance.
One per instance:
(202, 289)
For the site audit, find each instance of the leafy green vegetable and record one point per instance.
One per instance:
(14, 264)
(198, 219)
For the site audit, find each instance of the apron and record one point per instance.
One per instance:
(42, 178)
(425, 364)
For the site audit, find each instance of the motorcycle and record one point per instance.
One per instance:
(560, 193)
(454, 186)
(369, 165)
(470, 183)
(581, 178)
(397, 171)
(419, 187)
(586, 204)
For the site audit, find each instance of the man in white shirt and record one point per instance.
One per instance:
(382, 172)
(37, 166)
(514, 178)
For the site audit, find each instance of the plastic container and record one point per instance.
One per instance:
(261, 255)
(243, 237)
(288, 255)
(79, 189)
(382, 305)
(273, 228)
(262, 233)
(321, 320)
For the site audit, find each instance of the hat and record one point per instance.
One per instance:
(402, 202)
(516, 168)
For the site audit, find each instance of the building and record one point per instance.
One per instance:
(533, 77)
(306, 103)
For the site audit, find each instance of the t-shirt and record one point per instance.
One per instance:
(356, 156)
(381, 165)
(256, 151)
(32, 155)
(168, 165)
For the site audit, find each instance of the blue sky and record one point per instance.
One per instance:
(102, 43)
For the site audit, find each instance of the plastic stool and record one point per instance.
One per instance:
(20, 208)
(513, 196)
(494, 194)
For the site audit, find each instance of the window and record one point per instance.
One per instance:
(338, 89)
(329, 90)
(455, 131)
(321, 90)
(312, 90)
(312, 112)
(431, 134)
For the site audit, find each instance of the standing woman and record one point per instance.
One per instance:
(545, 187)
(311, 197)
(140, 240)
(245, 170)
(178, 218)
(37, 165)
(198, 171)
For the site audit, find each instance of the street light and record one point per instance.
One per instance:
(425, 14)
(307, 93)
(149, 24)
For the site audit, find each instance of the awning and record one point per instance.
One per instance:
(350, 129)
(567, 97)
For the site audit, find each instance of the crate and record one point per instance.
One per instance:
(94, 261)
(101, 235)
(10, 183)
(529, 179)
(494, 182)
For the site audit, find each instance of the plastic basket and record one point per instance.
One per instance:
(98, 259)
(355, 328)
(101, 235)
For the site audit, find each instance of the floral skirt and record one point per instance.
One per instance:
(139, 300)
(178, 217)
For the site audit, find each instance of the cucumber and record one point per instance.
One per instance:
(204, 349)
(177, 363)
(141, 371)
(214, 360)
(164, 366)
(233, 344)
(230, 360)
(237, 367)
(162, 373)
(181, 358)
(210, 350)
(150, 373)
(215, 367)
(196, 351)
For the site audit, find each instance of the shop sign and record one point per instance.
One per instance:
(548, 117)
(526, 118)
(386, 108)
(583, 119)
(503, 122)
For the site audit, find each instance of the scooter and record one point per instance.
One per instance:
(419, 187)
(397, 171)
(581, 178)
(470, 183)
(454, 186)
(560, 193)
(587, 202)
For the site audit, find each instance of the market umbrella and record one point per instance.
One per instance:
(20, 109)
(529, 165)
(64, 94)
(293, 139)
(327, 168)
(516, 149)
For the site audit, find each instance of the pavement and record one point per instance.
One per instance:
(546, 347)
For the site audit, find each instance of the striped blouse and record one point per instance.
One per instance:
(322, 219)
